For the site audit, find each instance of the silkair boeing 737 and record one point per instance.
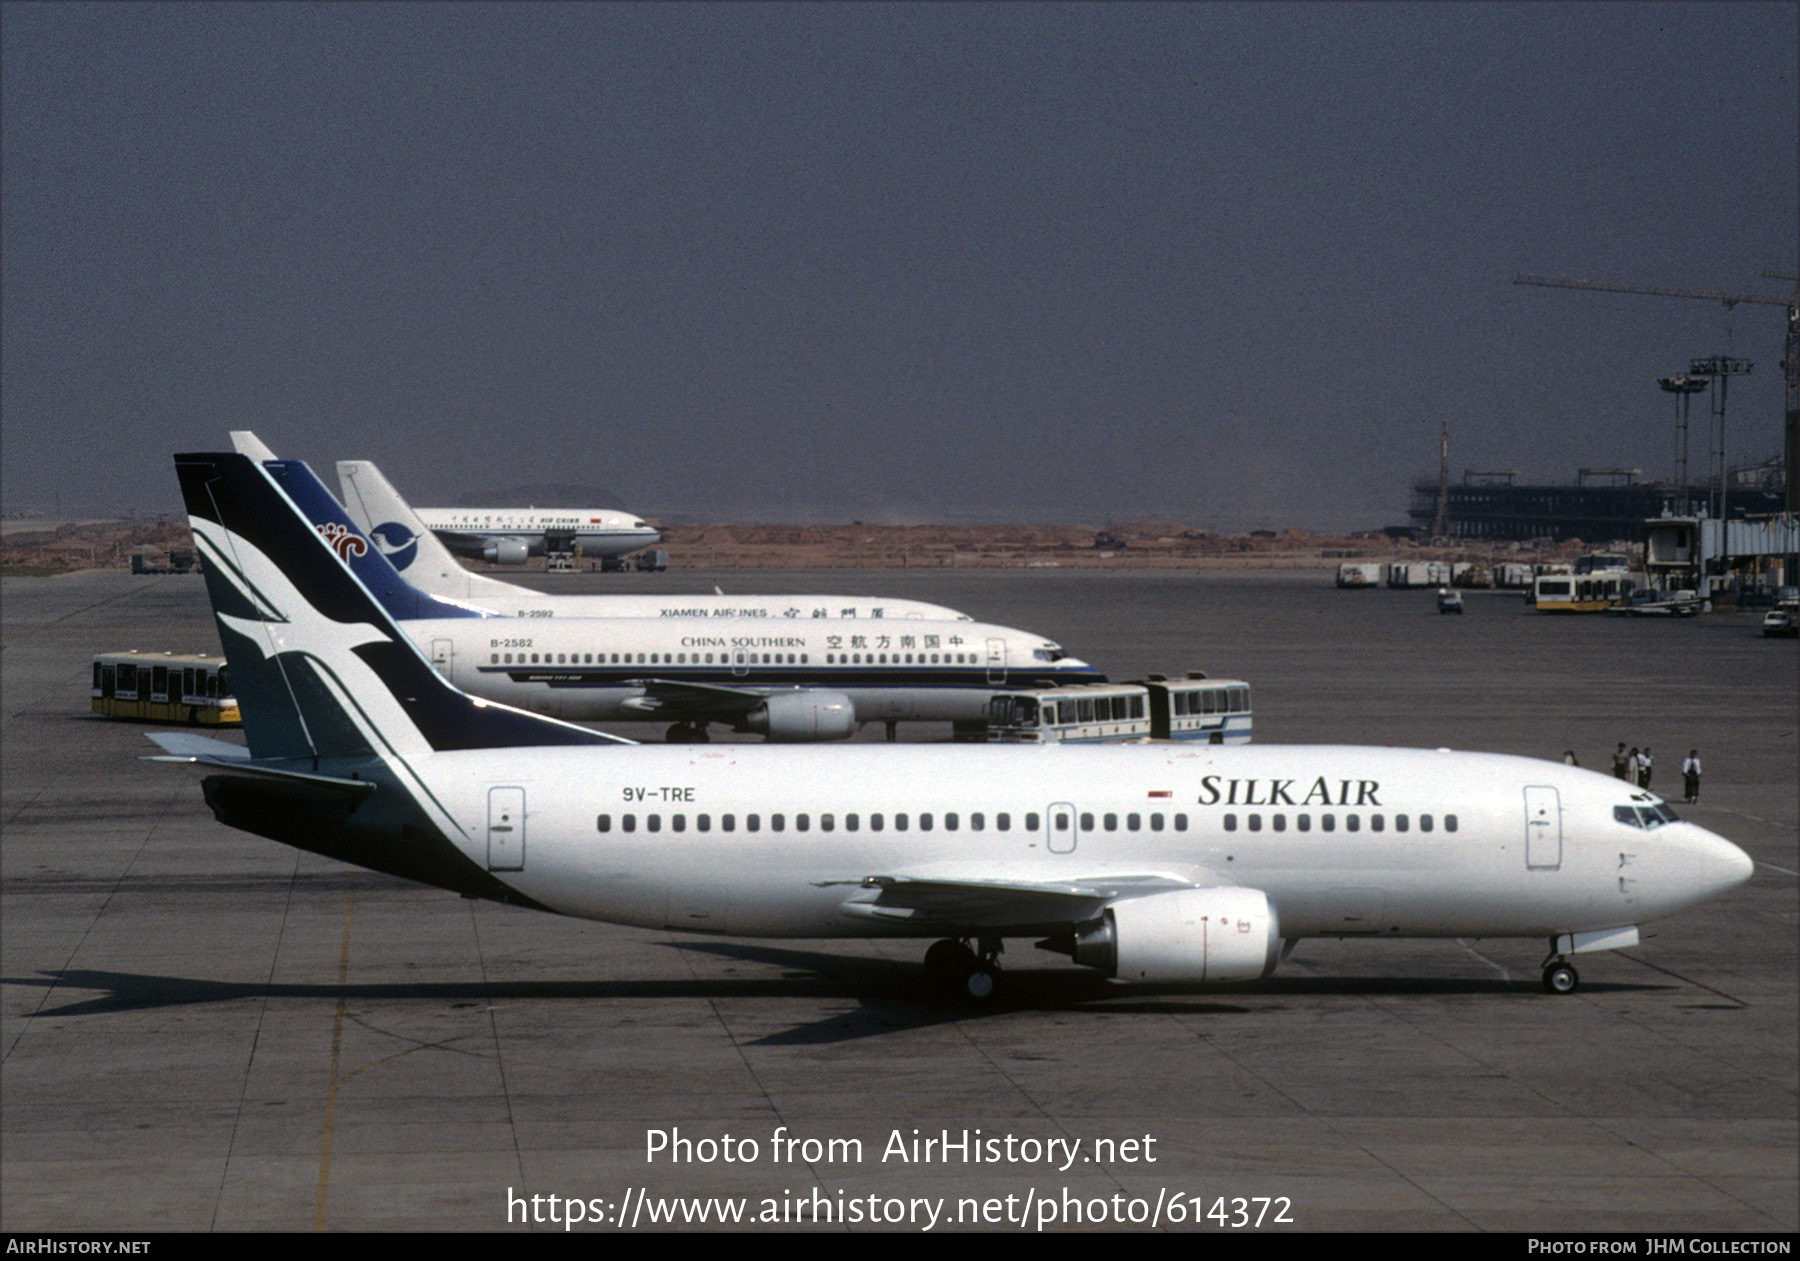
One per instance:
(792, 681)
(1150, 863)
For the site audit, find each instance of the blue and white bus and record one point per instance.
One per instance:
(1215, 711)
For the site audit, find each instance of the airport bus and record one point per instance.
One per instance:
(164, 687)
(1581, 593)
(1216, 711)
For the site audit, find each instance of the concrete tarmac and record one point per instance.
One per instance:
(203, 1030)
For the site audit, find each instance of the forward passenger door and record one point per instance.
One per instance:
(1543, 828)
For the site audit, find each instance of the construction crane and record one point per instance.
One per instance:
(1790, 360)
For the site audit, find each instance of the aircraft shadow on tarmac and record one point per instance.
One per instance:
(891, 995)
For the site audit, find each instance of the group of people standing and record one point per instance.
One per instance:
(1635, 766)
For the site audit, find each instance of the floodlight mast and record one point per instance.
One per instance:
(1790, 360)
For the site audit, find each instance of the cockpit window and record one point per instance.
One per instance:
(1645, 816)
(1627, 815)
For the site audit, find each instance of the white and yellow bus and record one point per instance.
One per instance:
(1215, 711)
(1581, 593)
(164, 687)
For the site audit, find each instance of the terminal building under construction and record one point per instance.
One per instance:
(1603, 505)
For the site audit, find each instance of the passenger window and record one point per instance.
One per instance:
(653, 823)
(1181, 823)
(1112, 823)
(1303, 822)
(1231, 823)
(604, 823)
(1375, 823)
(1327, 823)
(900, 823)
(924, 823)
(1031, 822)
(1156, 822)
(1352, 823)
(1400, 823)
(753, 823)
(628, 823)
(975, 822)
(827, 823)
(1280, 822)
(1449, 823)
(874, 823)
(802, 823)
(1003, 822)
(850, 823)
(1133, 822)
(777, 822)
(1087, 822)
(950, 822)
(678, 823)
(1424, 823)
(1256, 823)
(728, 823)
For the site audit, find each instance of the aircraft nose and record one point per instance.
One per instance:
(1723, 865)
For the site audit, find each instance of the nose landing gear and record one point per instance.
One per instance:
(1560, 976)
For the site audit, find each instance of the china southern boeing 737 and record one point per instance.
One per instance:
(1154, 863)
(790, 681)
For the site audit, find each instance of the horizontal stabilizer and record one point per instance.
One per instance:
(189, 744)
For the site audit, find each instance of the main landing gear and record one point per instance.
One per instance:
(688, 733)
(956, 969)
(1560, 976)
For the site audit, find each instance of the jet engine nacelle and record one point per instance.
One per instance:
(1185, 935)
(505, 552)
(802, 716)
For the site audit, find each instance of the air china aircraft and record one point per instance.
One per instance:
(391, 524)
(792, 680)
(1147, 862)
(510, 536)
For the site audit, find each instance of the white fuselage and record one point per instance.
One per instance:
(594, 531)
(593, 670)
(412, 549)
(690, 857)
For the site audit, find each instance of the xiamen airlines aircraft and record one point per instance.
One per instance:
(1148, 862)
(391, 524)
(809, 679)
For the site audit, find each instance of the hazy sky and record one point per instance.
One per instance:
(1228, 263)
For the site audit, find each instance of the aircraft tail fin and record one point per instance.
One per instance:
(319, 667)
(406, 541)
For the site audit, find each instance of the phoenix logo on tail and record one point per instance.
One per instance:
(344, 542)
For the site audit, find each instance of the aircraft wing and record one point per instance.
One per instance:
(961, 906)
(668, 698)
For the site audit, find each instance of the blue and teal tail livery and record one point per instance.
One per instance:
(318, 665)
